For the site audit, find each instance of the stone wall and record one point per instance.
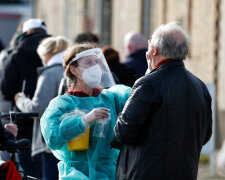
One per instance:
(63, 17)
(126, 16)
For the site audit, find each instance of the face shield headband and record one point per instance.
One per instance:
(89, 52)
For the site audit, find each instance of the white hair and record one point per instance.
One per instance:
(135, 39)
(171, 40)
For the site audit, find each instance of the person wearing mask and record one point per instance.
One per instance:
(21, 71)
(51, 51)
(84, 37)
(168, 117)
(92, 104)
(136, 46)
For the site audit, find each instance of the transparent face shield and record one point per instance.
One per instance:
(96, 72)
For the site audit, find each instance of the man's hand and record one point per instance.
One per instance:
(12, 128)
(18, 95)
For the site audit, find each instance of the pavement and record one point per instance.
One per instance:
(204, 173)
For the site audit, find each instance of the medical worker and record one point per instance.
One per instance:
(92, 103)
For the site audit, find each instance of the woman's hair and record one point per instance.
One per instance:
(52, 45)
(68, 57)
(111, 56)
(171, 41)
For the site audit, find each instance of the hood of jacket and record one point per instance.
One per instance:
(30, 42)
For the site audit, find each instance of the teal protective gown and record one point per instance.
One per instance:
(99, 161)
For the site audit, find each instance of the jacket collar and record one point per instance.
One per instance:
(56, 59)
(80, 93)
(169, 64)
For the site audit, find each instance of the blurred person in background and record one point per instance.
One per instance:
(6, 105)
(136, 46)
(86, 37)
(21, 69)
(168, 117)
(51, 51)
(93, 102)
(125, 75)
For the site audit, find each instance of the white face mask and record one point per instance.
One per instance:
(92, 76)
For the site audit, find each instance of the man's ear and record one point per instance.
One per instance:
(129, 48)
(155, 51)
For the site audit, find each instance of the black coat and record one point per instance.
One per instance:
(125, 75)
(137, 61)
(22, 65)
(164, 125)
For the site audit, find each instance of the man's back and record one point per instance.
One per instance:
(174, 125)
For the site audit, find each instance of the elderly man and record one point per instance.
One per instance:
(167, 118)
(136, 47)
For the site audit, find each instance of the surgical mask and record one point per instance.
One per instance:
(92, 76)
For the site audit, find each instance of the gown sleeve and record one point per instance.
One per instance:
(57, 131)
(121, 94)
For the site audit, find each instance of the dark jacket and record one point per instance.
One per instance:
(22, 65)
(137, 61)
(5, 105)
(164, 125)
(125, 75)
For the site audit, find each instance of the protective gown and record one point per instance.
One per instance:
(99, 161)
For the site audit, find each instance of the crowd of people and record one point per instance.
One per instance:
(146, 117)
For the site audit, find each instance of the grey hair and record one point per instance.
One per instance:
(171, 40)
(135, 39)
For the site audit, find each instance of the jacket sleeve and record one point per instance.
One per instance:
(9, 81)
(56, 131)
(138, 108)
(209, 118)
(46, 90)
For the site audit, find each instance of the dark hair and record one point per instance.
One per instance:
(86, 37)
(111, 56)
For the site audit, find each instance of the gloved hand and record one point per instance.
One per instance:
(95, 114)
